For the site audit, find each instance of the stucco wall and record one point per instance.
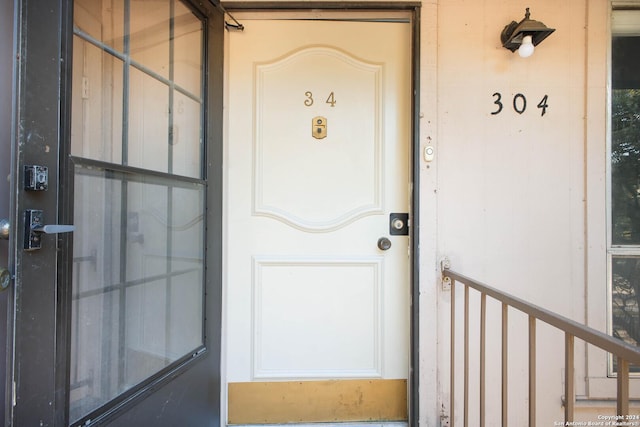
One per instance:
(511, 186)
(516, 200)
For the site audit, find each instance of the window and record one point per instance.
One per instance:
(624, 227)
(139, 196)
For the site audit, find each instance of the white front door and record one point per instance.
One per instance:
(317, 161)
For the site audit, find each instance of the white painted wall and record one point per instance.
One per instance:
(517, 201)
(510, 186)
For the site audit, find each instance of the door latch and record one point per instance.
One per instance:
(34, 227)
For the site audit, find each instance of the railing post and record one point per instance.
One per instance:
(569, 385)
(483, 352)
(622, 400)
(452, 373)
(626, 354)
(505, 352)
(532, 371)
(466, 356)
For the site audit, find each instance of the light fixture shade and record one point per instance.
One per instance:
(513, 34)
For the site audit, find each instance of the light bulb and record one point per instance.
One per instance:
(526, 48)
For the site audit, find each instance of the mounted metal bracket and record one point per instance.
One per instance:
(445, 264)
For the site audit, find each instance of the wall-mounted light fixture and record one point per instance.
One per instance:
(524, 35)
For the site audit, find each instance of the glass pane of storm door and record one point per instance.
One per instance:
(139, 196)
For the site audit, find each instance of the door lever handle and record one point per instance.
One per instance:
(33, 227)
(54, 229)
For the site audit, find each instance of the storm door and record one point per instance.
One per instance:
(118, 203)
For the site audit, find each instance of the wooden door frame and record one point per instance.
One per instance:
(414, 8)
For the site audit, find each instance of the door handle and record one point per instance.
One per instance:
(5, 279)
(5, 275)
(55, 229)
(4, 229)
(384, 243)
(33, 227)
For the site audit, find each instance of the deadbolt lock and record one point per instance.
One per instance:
(399, 224)
(319, 127)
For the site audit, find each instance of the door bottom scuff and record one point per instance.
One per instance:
(342, 401)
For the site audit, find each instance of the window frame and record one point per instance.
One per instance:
(614, 250)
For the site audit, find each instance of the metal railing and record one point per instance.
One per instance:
(624, 353)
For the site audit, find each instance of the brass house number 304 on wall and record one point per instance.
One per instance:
(519, 104)
(319, 123)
